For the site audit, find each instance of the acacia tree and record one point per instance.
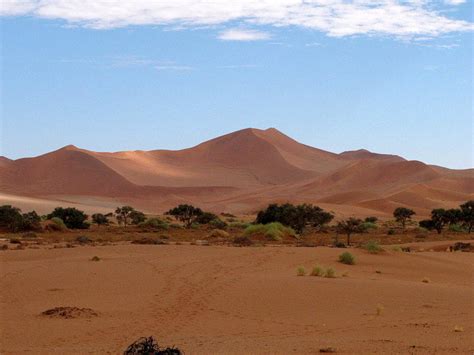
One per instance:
(297, 217)
(350, 226)
(437, 222)
(72, 217)
(100, 219)
(186, 214)
(137, 217)
(123, 214)
(467, 214)
(402, 215)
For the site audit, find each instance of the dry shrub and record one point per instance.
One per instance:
(69, 312)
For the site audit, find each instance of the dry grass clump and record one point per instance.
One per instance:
(397, 248)
(458, 329)
(379, 309)
(347, 258)
(317, 271)
(272, 231)
(373, 247)
(218, 234)
(426, 280)
(95, 258)
(301, 271)
(330, 273)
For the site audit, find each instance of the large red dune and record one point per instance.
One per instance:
(239, 172)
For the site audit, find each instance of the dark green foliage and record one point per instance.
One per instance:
(218, 223)
(349, 227)
(155, 224)
(123, 214)
(453, 216)
(467, 214)
(296, 217)
(148, 346)
(371, 219)
(72, 217)
(100, 219)
(437, 222)
(137, 217)
(205, 218)
(186, 214)
(402, 215)
(10, 218)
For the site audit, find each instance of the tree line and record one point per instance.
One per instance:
(298, 217)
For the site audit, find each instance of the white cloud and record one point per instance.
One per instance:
(454, 2)
(337, 18)
(173, 67)
(235, 34)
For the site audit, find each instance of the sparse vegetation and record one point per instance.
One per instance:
(12, 220)
(297, 217)
(301, 271)
(72, 217)
(154, 224)
(349, 227)
(397, 248)
(243, 241)
(185, 213)
(379, 309)
(317, 271)
(373, 247)
(330, 273)
(402, 215)
(100, 219)
(95, 258)
(426, 280)
(347, 258)
(123, 214)
(272, 231)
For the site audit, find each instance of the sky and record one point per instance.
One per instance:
(106, 75)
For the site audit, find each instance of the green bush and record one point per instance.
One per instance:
(239, 225)
(457, 228)
(155, 224)
(58, 223)
(347, 258)
(373, 247)
(272, 231)
(397, 248)
(317, 271)
(368, 225)
(330, 273)
(218, 223)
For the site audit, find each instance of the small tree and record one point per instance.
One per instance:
(467, 214)
(10, 218)
(206, 218)
(349, 227)
(453, 216)
(72, 217)
(437, 222)
(31, 221)
(371, 219)
(402, 215)
(100, 219)
(123, 214)
(185, 213)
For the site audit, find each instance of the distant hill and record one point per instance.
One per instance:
(238, 172)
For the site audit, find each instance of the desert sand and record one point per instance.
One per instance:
(231, 300)
(240, 172)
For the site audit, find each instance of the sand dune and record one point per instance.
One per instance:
(238, 172)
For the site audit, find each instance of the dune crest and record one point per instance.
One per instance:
(238, 172)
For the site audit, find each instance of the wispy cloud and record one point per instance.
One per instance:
(235, 34)
(173, 67)
(313, 44)
(239, 66)
(335, 18)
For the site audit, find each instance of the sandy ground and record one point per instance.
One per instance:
(229, 300)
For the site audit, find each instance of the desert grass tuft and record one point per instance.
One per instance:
(317, 271)
(347, 258)
(95, 258)
(330, 273)
(458, 329)
(379, 309)
(426, 280)
(373, 247)
(301, 271)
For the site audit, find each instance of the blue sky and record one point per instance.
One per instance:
(78, 73)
